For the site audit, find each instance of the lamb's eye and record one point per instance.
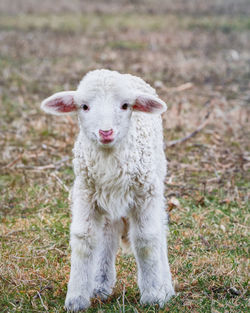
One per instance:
(85, 107)
(125, 106)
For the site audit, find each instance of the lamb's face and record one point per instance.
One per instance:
(105, 110)
(104, 104)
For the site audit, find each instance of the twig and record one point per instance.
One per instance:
(28, 257)
(117, 300)
(123, 299)
(48, 286)
(195, 132)
(12, 162)
(60, 182)
(45, 307)
(56, 165)
(37, 168)
(204, 240)
(183, 87)
(11, 233)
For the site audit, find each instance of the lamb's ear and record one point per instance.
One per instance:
(60, 103)
(149, 104)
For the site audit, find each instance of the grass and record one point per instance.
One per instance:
(208, 175)
(224, 24)
(207, 260)
(71, 23)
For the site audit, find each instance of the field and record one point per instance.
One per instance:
(197, 56)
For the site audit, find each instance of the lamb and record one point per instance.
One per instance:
(119, 167)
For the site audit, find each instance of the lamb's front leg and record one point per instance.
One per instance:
(105, 269)
(83, 240)
(148, 237)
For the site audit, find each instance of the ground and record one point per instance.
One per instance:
(197, 55)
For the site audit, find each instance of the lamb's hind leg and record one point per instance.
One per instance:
(148, 238)
(105, 277)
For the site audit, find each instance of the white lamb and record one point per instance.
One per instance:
(119, 166)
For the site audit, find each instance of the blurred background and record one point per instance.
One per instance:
(197, 56)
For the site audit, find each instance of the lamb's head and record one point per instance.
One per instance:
(105, 101)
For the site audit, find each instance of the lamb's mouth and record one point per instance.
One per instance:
(106, 140)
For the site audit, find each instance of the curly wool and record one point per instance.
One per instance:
(115, 180)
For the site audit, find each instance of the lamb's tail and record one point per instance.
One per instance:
(124, 240)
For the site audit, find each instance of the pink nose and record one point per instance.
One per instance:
(106, 133)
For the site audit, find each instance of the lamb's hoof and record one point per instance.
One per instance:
(76, 304)
(168, 295)
(102, 293)
(149, 298)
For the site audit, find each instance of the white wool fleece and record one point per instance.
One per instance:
(120, 168)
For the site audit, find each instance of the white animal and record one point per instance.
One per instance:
(119, 166)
